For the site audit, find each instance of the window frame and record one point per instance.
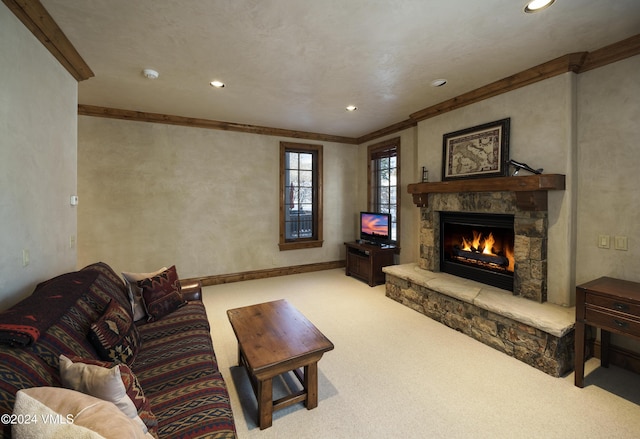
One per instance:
(380, 149)
(316, 240)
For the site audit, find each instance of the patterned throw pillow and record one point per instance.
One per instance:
(109, 382)
(114, 335)
(135, 292)
(161, 294)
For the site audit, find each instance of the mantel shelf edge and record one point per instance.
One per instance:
(530, 190)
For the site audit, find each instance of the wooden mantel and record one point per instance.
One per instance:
(530, 190)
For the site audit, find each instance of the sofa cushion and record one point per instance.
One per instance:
(161, 293)
(59, 413)
(114, 335)
(135, 292)
(109, 382)
(178, 370)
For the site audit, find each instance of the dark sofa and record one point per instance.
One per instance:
(174, 360)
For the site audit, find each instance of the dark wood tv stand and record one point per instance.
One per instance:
(365, 261)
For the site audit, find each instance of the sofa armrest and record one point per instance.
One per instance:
(191, 289)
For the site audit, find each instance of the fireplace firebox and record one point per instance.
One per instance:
(478, 246)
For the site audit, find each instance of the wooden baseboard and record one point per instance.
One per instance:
(269, 272)
(619, 357)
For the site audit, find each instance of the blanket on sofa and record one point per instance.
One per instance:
(22, 324)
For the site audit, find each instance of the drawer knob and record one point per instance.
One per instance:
(620, 306)
(620, 324)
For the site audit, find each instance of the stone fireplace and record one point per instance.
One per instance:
(530, 236)
(513, 317)
(523, 197)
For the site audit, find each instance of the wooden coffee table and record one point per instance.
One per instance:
(274, 338)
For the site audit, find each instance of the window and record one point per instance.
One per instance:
(384, 181)
(300, 196)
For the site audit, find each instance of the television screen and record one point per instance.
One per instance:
(375, 227)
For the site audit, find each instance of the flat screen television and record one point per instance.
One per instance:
(375, 227)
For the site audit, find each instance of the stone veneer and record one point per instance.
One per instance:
(530, 228)
(538, 334)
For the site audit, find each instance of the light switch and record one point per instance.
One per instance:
(621, 243)
(603, 241)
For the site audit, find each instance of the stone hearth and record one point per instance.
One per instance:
(538, 334)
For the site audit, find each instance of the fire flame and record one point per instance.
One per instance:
(478, 244)
(486, 246)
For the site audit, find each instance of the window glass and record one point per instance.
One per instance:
(301, 213)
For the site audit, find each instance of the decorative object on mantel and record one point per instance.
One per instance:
(524, 166)
(425, 174)
(477, 152)
(530, 190)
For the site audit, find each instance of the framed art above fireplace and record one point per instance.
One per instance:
(476, 152)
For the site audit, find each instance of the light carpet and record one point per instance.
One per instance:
(395, 373)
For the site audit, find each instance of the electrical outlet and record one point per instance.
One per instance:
(603, 241)
(621, 243)
(25, 257)
(72, 241)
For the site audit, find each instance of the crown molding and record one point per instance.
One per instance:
(141, 116)
(36, 18)
(609, 54)
(558, 66)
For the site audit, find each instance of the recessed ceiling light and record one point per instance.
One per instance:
(438, 82)
(150, 74)
(537, 5)
(351, 108)
(217, 84)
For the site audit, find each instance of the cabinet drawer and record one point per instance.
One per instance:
(612, 321)
(613, 304)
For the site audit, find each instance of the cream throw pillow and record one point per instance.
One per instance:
(64, 413)
(101, 382)
(135, 292)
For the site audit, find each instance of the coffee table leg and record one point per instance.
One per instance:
(311, 385)
(265, 403)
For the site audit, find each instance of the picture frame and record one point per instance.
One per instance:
(477, 152)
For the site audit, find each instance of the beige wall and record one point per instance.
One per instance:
(609, 174)
(38, 119)
(609, 170)
(205, 200)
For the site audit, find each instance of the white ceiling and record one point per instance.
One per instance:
(296, 64)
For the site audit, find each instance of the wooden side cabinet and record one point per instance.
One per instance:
(365, 261)
(613, 305)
